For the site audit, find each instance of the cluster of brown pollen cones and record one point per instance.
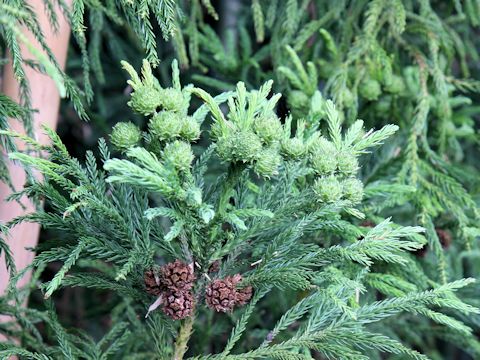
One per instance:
(173, 284)
(222, 295)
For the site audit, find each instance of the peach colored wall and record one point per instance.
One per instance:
(45, 99)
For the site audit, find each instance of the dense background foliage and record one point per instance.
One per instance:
(409, 63)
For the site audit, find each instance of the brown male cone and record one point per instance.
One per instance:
(177, 276)
(172, 283)
(222, 295)
(244, 295)
(152, 282)
(178, 304)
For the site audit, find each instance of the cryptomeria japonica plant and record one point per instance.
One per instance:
(250, 246)
(403, 62)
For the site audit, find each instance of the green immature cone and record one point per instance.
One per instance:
(347, 98)
(269, 129)
(190, 129)
(171, 99)
(145, 100)
(125, 135)
(394, 85)
(241, 146)
(370, 89)
(268, 163)
(328, 189)
(353, 190)
(293, 148)
(298, 100)
(166, 125)
(383, 106)
(324, 157)
(179, 153)
(347, 163)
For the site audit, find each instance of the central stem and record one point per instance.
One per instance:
(183, 337)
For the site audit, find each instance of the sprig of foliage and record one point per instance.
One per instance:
(282, 213)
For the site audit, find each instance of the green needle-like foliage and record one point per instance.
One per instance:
(388, 62)
(358, 244)
(281, 216)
